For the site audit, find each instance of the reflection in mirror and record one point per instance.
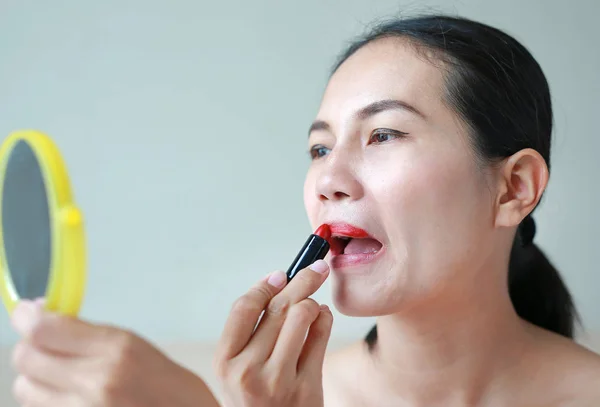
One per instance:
(26, 228)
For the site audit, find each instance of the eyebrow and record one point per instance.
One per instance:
(370, 110)
(387, 104)
(319, 125)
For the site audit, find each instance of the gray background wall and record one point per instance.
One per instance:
(183, 124)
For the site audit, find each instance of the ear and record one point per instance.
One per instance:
(522, 180)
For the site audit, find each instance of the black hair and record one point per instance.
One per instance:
(500, 92)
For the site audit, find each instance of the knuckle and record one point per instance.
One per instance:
(275, 383)
(124, 345)
(309, 278)
(260, 293)
(221, 368)
(245, 305)
(312, 305)
(42, 328)
(19, 356)
(244, 376)
(322, 330)
(98, 388)
(108, 388)
(306, 311)
(306, 387)
(108, 392)
(19, 390)
(247, 377)
(327, 320)
(279, 306)
(279, 377)
(117, 365)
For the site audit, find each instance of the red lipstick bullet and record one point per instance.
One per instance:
(315, 248)
(324, 231)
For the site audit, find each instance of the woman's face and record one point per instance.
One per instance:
(391, 158)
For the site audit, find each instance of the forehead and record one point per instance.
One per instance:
(389, 68)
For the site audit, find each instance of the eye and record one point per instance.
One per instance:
(318, 151)
(384, 135)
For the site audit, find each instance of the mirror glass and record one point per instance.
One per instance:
(26, 228)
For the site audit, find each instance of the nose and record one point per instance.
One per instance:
(337, 180)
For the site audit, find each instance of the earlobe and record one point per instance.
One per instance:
(523, 178)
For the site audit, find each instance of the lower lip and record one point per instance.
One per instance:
(345, 261)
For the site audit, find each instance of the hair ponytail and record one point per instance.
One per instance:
(536, 289)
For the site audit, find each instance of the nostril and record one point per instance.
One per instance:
(335, 196)
(341, 195)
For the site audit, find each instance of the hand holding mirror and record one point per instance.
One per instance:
(42, 245)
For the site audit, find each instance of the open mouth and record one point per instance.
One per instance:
(346, 245)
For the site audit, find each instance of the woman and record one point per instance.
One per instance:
(430, 152)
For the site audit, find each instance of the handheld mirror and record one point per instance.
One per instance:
(42, 245)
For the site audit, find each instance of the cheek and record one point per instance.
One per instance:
(453, 191)
(427, 197)
(402, 185)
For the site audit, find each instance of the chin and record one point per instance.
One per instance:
(359, 299)
(371, 290)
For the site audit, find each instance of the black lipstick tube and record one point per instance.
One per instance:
(314, 249)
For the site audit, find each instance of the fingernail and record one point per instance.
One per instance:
(25, 316)
(277, 279)
(325, 308)
(320, 266)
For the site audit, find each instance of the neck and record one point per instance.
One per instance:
(454, 350)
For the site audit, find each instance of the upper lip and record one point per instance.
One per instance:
(346, 230)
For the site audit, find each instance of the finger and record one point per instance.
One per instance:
(59, 334)
(29, 393)
(312, 357)
(291, 339)
(245, 314)
(51, 370)
(303, 285)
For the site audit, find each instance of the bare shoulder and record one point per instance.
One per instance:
(582, 378)
(340, 368)
(572, 370)
(557, 372)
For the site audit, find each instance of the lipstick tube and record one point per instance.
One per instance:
(315, 248)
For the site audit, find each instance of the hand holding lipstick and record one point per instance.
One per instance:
(276, 363)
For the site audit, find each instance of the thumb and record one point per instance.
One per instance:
(59, 334)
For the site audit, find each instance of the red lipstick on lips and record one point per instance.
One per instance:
(344, 229)
(315, 248)
(340, 230)
(340, 258)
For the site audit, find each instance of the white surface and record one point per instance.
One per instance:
(184, 126)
